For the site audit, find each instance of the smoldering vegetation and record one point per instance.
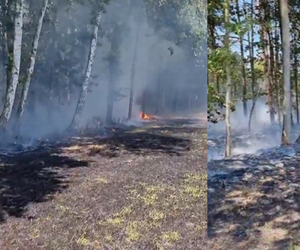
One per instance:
(263, 134)
(102, 135)
(149, 57)
(262, 137)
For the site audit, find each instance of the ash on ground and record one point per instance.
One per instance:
(253, 197)
(250, 150)
(22, 144)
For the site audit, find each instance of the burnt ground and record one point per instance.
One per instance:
(142, 188)
(254, 203)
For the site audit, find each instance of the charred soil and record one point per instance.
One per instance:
(254, 201)
(141, 188)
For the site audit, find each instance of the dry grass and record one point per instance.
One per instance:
(132, 200)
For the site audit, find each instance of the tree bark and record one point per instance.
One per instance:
(4, 37)
(253, 75)
(144, 95)
(110, 94)
(285, 139)
(30, 69)
(113, 70)
(276, 81)
(245, 109)
(228, 76)
(175, 100)
(270, 49)
(295, 53)
(88, 71)
(296, 86)
(15, 69)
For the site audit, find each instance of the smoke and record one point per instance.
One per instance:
(263, 134)
(163, 69)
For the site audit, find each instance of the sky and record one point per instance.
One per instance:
(235, 43)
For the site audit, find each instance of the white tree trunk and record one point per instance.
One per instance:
(4, 38)
(286, 131)
(15, 71)
(88, 71)
(228, 89)
(30, 69)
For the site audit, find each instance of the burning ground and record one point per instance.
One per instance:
(253, 199)
(139, 188)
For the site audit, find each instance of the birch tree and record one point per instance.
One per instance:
(4, 36)
(88, 71)
(285, 139)
(33, 54)
(16, 62)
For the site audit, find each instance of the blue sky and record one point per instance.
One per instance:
(235, 44)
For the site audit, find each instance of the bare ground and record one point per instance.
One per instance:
(143, 188)
(255, 207)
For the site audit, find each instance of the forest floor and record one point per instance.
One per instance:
(254, 199)
(140, 188)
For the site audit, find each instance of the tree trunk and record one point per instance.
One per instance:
(251, 54)
(251, 46)
(30, 69)
(133, 72)
(280, 48)
(245, 109)
(88, 71)
(110, 94)
(15, 69)
(158, 92)
(4, 36)
(144, 95)
(285, 139)
(270, 62)
(264, 22)
(113, 70)
(252, 108)
(296, 86)
(276, 69)
(228, 76)
(267, 74)
(175, 100)
(50, 100)
(295, 53)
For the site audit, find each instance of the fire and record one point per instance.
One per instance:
(145, 116)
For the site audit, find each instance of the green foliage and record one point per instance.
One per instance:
(241, 22)
(180, 21)
(213, 97)
(219, 57)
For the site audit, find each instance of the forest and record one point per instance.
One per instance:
(253, 129)
(103, 124)
(65, 63)
(254, 37)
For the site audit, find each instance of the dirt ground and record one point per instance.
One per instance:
(257, 207)
(143, 188)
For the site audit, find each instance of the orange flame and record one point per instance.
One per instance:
(145, 116)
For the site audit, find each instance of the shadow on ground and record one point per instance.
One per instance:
(137, 141)
(34, 176)
(255, 208)
(31, 177)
